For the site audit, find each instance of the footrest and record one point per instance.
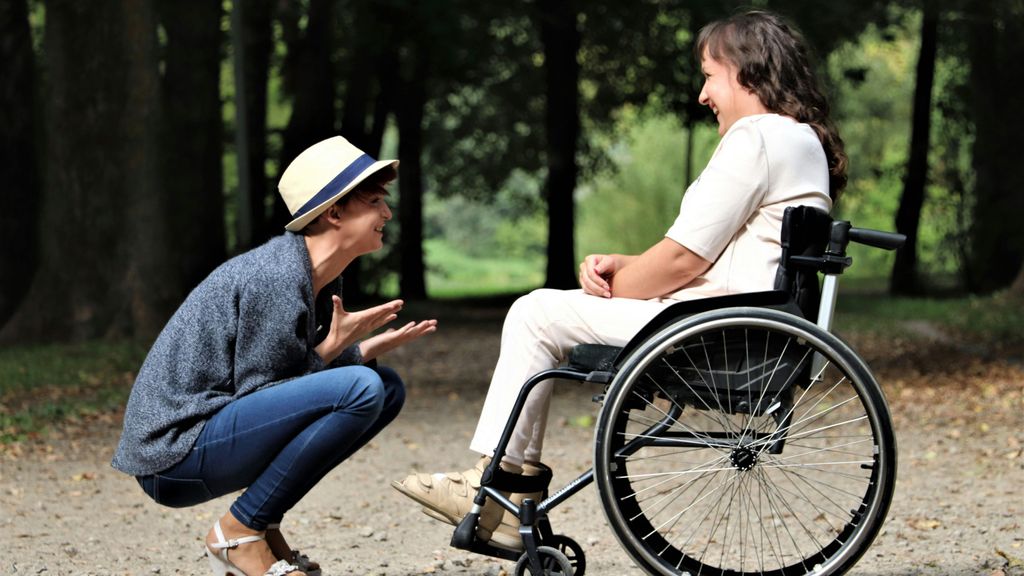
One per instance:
(591, 357)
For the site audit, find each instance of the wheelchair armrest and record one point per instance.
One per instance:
(593, 357)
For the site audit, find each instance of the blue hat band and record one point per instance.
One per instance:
(339, 182)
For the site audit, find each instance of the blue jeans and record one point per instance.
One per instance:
(277, 443)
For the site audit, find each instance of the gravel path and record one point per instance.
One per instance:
(958, 508)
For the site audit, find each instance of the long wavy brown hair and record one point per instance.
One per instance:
(771, 58)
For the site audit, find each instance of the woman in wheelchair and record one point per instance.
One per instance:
(778, 148)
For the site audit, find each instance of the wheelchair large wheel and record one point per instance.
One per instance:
(745, 441)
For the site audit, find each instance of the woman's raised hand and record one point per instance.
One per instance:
(393, 338)
(348, 327)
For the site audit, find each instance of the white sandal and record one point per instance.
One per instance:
(299, 559)
(221, 566)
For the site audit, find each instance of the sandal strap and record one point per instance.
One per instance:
(231, 543)
(281, 568)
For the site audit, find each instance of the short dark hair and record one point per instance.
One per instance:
(376, 182)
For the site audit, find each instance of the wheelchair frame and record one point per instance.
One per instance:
(812, 243)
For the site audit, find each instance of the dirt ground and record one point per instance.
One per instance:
(958, 508)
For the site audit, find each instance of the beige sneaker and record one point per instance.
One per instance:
(449, 497)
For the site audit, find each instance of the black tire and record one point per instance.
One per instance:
(572, 551)
(553, 563)
(718, 451)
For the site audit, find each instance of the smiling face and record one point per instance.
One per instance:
(362, 218)
(723, 93)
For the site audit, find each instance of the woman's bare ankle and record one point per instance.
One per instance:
(251, 557)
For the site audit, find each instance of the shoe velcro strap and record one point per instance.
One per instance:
(509, 482)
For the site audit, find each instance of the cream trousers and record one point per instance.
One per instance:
(540, 330)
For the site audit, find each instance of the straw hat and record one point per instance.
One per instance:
(322, 174)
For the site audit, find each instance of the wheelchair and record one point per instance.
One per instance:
(736, 436)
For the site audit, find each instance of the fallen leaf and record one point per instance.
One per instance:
(1011, 560)
(924, 523)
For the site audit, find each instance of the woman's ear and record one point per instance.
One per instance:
(334, 212)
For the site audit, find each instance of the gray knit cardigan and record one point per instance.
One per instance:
(251, 324)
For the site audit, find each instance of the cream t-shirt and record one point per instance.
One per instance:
(732, 214)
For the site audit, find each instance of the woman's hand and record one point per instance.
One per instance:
(348, 327)
(595, 272)
(393, 338)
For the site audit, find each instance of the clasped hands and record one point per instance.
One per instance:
(348, 327)
(596, 272)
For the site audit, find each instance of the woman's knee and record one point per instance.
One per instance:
(540, 312)
(394, 388)
(363, 391)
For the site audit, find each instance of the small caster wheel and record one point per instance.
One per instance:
(553, 563)
(572, 550)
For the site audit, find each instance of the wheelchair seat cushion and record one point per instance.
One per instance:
(593, 357)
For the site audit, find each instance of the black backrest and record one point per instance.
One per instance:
(805, 232)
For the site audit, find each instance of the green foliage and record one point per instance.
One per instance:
(874, 83)
(874, 79)
(452, 273)
(477, 247)
(41, 385)
(629, 208)
(509, 225)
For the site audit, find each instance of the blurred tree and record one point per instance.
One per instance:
(102, 269)
(411, 103)
(428, 52)
(560, 37)
(369, 71)
(191, 142)
(367, 68)
(257, 45)
(996, 242)
(590, 59)
(904, 278)
(309, 77)
(18, 119)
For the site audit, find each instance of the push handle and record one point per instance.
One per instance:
(877, 238)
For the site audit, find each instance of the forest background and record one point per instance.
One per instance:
(142, 140)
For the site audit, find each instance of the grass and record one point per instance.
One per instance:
(453, 274)
(995, 318)
(41, 385)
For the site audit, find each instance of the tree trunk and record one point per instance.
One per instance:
(18, 170)
(996, 244)
(101, 213)
(905, 278)
(361, 69)
(258, 43)
(560, 36)
(310, 80)
(192, 141)
(411, 102)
